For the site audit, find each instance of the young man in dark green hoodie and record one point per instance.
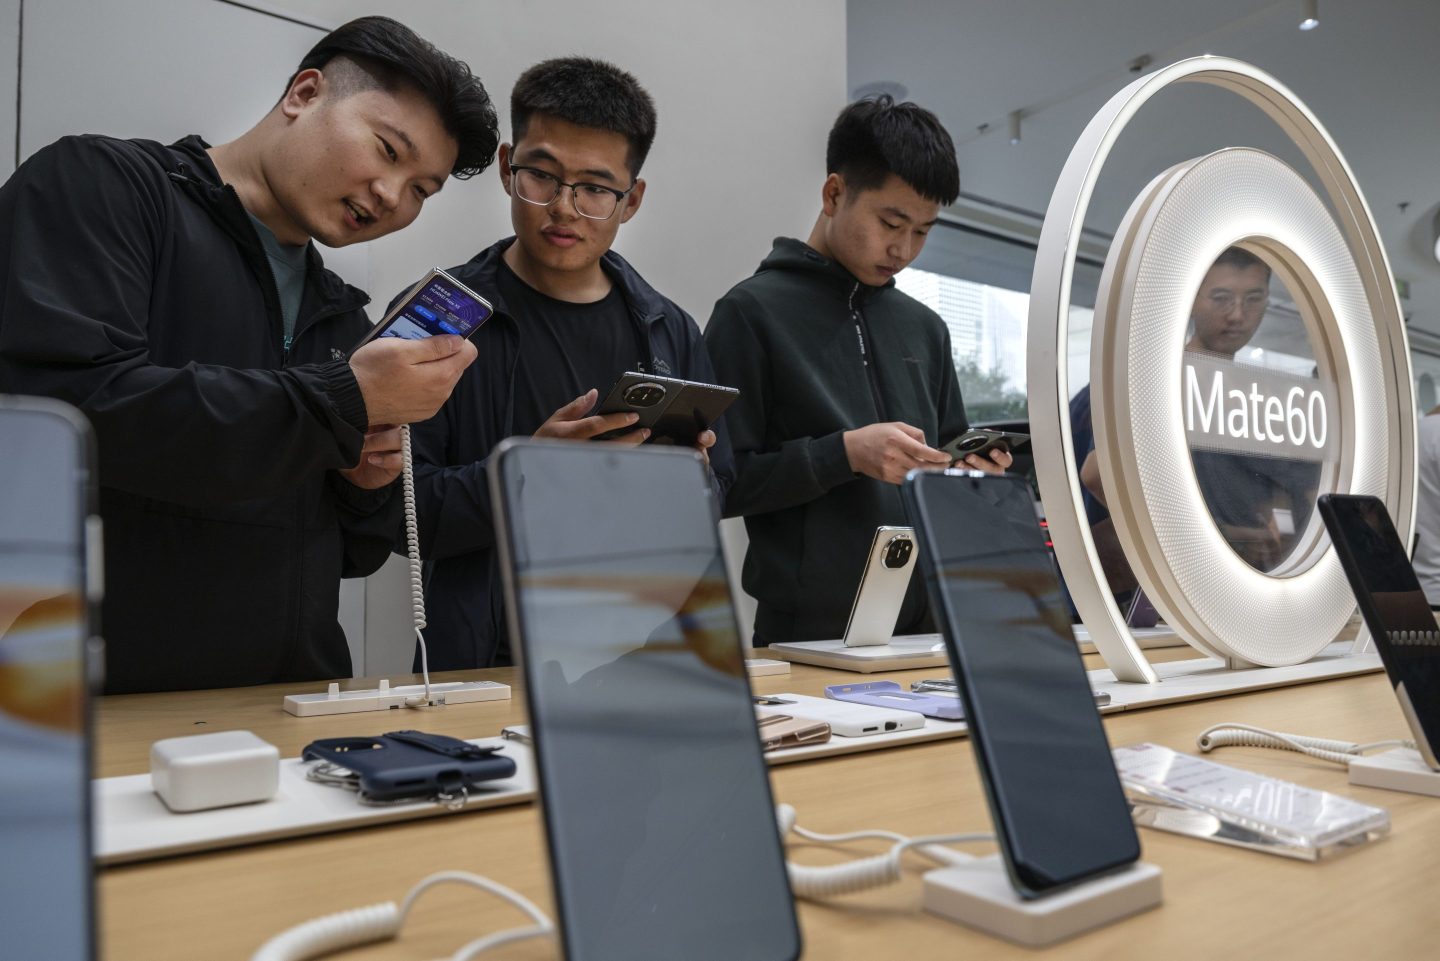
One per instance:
(845, 382)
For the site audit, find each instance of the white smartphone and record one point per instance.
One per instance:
(845, 718)
(882, 588)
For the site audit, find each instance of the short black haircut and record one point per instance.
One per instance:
(1240, 259)
(587, 93)
(877, 137)
(390, 54)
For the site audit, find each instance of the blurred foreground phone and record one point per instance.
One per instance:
(1060, 812)
(656, 798)
(438, 304)
(1394, 607)
(47, 593)
(675, 410)
(881, 594)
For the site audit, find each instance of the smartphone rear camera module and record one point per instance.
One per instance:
(898, 551)
(644, 395)
(972, 443)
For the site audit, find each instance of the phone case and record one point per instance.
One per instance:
(882, 588)
(980, 441)
(781, 730)
(411, 764)
(848, 719)
(682, 410)
(892, 695)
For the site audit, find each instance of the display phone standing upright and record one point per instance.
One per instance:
(881, 593)
(47, 592)
(1394, 607)
(1059, 810)
(438, 304)
(656, 799)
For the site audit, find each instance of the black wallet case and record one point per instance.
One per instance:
(405, 765)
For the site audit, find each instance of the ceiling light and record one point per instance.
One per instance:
(1435, 229)
(1310, 14)
(1015, 127)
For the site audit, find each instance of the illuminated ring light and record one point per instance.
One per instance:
(1172, 234)
(1387, 418)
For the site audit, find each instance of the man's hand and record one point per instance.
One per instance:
(570, 423)
(887, 452)
(703, 442)
(997, 462)
(380, 459)
(404, 381)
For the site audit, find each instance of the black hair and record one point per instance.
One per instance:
(1240, 259)
(874, 138)
(587, 93)
(390, 55)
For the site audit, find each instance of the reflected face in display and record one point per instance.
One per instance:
(875, 233)
(556, 237)
(1229, 307)
(354, 166)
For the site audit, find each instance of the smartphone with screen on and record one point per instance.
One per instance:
(1059, 810)
(438, 304)
(655, 794)
(49, 587)
(1394, 607)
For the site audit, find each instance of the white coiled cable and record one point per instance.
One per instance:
(382, 922)
(412, 552)
(816, 882)
(1246, 735)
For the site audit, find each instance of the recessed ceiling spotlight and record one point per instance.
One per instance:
(1015, 126)
(868, 91)
(1309, 14)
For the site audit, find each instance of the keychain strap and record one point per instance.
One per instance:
(443, 744)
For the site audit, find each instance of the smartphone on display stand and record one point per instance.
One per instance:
(674, 410)
(438, 304)
(1394, 607)
(50, 574)
(888, 567)
(1059, 809)
(656, 797)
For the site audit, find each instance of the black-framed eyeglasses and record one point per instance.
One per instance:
(594, 201)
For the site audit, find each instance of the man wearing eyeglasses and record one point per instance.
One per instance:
(571, 316)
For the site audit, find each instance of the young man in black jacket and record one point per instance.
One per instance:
(571, 315)
(845, 383)
(174, 296)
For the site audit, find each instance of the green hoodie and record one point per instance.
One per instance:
(791, 339)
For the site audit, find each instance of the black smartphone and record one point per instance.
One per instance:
(1394, 607)
(982, 441)
(1057, 803)
(438, 304)
(49, 587)
(655, 794)
(675, 410)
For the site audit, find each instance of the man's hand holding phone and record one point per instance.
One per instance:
(887, 452)
(405, 381)
(996, 461)
(380, 459)
(571, 423)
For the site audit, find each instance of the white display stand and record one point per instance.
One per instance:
(903, 653)
(385, 697)
(1399, 770)
(765, 667)
(1146, 637)
(979, 895)
(133, 824)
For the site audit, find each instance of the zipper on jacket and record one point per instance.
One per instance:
(871, 374)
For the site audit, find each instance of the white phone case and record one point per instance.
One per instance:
(881, 592)
(847, 719)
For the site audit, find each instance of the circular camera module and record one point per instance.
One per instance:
(644, 395)
(897, 552)
(973, 442)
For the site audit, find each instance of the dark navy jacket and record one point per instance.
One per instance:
(464, 607)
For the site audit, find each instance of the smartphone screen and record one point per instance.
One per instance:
(657, 804)
(46, 906)
(1058, 807)
(439, 306)
(1394, 607)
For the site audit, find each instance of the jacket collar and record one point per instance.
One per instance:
(645, 303)
(795, 256)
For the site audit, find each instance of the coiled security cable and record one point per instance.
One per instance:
(382, 922)
(1246, 735)
(862, 874)
(417, 571)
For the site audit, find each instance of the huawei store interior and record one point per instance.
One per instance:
(719, 481)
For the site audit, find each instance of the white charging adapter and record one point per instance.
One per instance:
(207, 771)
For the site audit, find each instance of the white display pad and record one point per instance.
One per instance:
(1145, 637)
(980, 896)
(903, 653)
(133, 824)
(1399, 770)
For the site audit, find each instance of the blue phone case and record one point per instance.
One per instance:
(892, 695)
(411, 764)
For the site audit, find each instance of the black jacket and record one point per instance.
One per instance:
(133, 285)
(464, 606)
(789, 338)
